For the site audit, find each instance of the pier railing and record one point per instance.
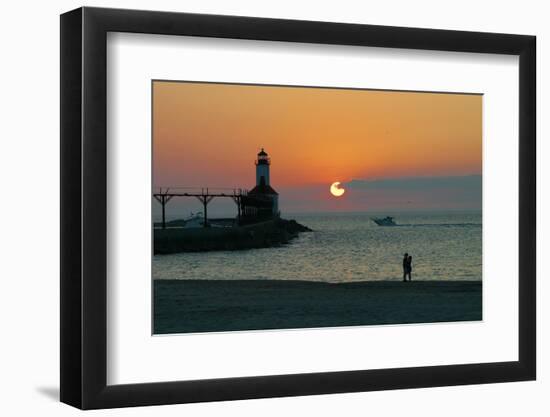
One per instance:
(204, 194)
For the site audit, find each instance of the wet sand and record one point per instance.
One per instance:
(184, 306)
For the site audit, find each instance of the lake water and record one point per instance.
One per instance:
(348, 247)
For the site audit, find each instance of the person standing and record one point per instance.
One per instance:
(409, 267)
(405, 266)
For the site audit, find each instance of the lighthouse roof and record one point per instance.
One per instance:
(263, 189)
(262, 153)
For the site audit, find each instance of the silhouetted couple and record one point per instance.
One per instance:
(407, 267)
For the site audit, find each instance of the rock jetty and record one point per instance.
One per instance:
(264, 234)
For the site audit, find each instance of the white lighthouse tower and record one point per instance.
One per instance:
(262, 168)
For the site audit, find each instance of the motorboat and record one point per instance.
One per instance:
(194, 220)
(385, 221)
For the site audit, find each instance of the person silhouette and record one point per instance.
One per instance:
(405, 266)
(409, 267)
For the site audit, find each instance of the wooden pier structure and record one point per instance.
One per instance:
(204, 195)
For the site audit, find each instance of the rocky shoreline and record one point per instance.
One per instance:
(270, 233)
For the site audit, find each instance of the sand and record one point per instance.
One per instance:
(183, 306)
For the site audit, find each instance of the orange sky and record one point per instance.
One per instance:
(208, 134)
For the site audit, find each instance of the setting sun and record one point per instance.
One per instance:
(335, 190)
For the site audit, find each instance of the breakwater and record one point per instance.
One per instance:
(265, 234)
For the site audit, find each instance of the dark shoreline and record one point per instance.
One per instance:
(185, 306)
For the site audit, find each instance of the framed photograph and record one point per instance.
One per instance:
(257, 208)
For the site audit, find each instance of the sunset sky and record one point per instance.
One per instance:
(391, 150)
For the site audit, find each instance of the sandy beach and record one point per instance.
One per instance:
(184, 306)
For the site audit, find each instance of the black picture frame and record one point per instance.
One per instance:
(84, 207)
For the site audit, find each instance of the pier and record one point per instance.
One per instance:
(205, 195)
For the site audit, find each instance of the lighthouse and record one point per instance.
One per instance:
(262, 201)
(262, 167)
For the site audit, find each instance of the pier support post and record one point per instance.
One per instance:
(205, 198)
(239, 209)
(163, 199)
(163, 212)
(237, 199)
(205, 212)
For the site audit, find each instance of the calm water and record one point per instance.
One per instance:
(348, 247)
